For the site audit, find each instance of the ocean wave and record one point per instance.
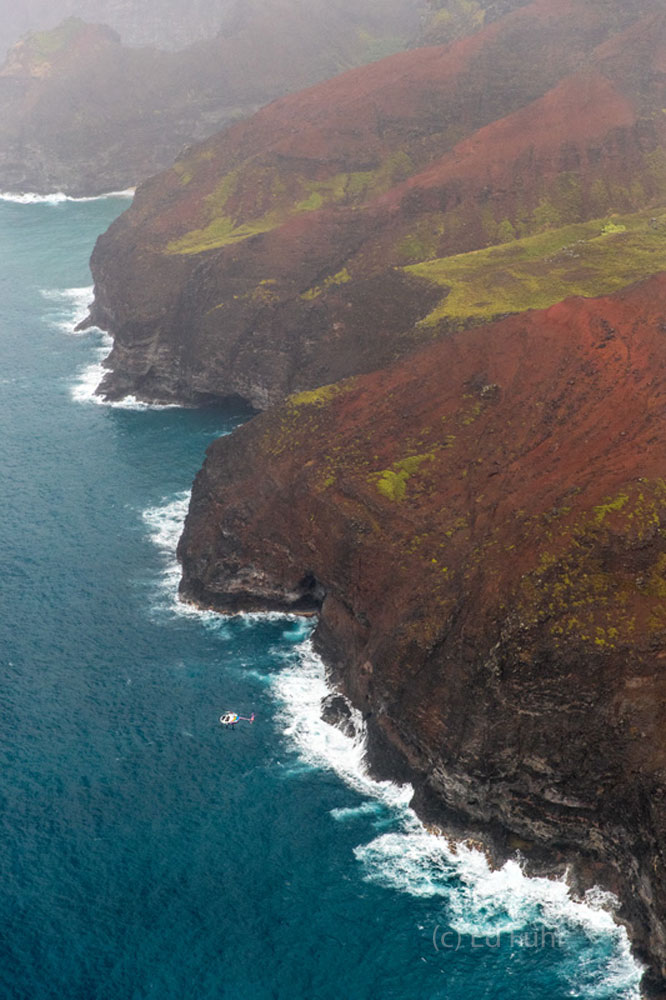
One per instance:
(59, 197)
(67, 307)
(484, 902)
(300, 687)
(165, 525)
(89, 379)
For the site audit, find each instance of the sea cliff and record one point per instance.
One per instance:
(482, 529)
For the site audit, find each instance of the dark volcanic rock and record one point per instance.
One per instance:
(337, 711)
(484, 528)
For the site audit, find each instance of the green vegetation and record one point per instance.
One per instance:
(341, 278)
(221, 232)
(610, 507)
(579, 592)
(262, 200)
(379, 48)
(185, 174)
(453, 19)
(392, 483)
(590, 258)
(319, 397)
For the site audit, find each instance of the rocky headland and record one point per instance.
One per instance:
(449, 263)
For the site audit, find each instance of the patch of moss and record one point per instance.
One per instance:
(221, 232)
(319, 397)
(184, 173)
(609, 507)
(314, 201)
(612, 227)
(341, 278)
(392, 483)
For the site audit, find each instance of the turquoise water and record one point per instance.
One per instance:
(146, 852)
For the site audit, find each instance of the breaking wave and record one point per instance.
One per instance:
(67, 308)
(59, 197)
(478, 899)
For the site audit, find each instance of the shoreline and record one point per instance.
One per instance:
(584, 878)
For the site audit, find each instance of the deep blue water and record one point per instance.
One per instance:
(146, 852)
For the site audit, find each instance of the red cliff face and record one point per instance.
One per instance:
(484, 528)
(262, 242)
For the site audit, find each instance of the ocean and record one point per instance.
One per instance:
(146, 852)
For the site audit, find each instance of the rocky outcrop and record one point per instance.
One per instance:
(331, 232)
(483, 528)
(83, 113)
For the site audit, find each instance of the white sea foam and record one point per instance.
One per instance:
(59, 197)
(367, 808)
(68, 307)
(165, 525)
(478, 899)
(300, 687)
(88, 379)
(483, 902)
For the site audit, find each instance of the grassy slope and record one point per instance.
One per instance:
(591, 259)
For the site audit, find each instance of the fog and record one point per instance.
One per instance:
(165, 23)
